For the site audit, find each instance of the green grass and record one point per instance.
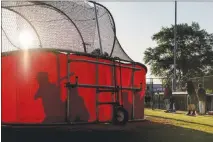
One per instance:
(200, 123)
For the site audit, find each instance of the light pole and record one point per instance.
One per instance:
(175, 47)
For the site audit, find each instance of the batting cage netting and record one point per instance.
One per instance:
(75, 26)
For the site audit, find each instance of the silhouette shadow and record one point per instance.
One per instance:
(54, 108)
(127, 105)
(138, 106)
(78, 110)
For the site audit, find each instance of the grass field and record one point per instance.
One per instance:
(201, 123)
(159, 127)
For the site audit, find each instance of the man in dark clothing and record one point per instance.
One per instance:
(202, 99)
(172, 104)
(193, 98)
(148, 97)
(167, 96)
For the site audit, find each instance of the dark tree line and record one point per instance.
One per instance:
(194, 52)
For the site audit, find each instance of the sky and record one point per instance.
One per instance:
(136, 22)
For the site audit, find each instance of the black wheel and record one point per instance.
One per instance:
(120, 116)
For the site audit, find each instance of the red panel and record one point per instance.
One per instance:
(45, 106)
(62, 72)
(139, 97)
(127, 95)
(82, 100)
(29, 109)
(20, 86)
(8, 93)
(105, 78)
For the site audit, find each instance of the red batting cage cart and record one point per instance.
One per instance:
(62, 64)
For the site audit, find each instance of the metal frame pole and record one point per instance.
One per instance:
(133, 92)
(96, 95)
(103, 63)
(175, 47)
(68, 90)
(121, 92)
(103, 87)
(96, 18)
(113, 82)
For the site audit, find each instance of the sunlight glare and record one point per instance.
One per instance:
(25, 39)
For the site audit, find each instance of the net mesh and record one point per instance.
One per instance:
(65, 25)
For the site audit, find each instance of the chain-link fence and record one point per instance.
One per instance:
(156, 84)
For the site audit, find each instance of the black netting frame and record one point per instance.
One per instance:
(114, 43)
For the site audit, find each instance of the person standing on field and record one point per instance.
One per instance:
(202, 99)
(193, 98)
(148, 97)
(167, 96)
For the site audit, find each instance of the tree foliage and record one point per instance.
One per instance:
(97, 52)
(194, 52)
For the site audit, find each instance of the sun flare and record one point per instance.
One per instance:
(25, 39)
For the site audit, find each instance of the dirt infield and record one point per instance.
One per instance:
(133, 132)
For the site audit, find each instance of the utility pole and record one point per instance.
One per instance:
(175, 47)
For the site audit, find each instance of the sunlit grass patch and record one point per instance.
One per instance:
(201, 123)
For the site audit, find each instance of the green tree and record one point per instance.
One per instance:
(194, 52)
(97, 52)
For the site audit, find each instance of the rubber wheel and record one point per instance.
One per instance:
(120, 116)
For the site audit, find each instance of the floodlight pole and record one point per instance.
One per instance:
(175, 47)
(96, 17)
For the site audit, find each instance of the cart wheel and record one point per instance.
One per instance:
(120, 116)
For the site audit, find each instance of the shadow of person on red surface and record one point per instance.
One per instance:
(139, 106)
(54, 108)
(78, 110)
(127, 105)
